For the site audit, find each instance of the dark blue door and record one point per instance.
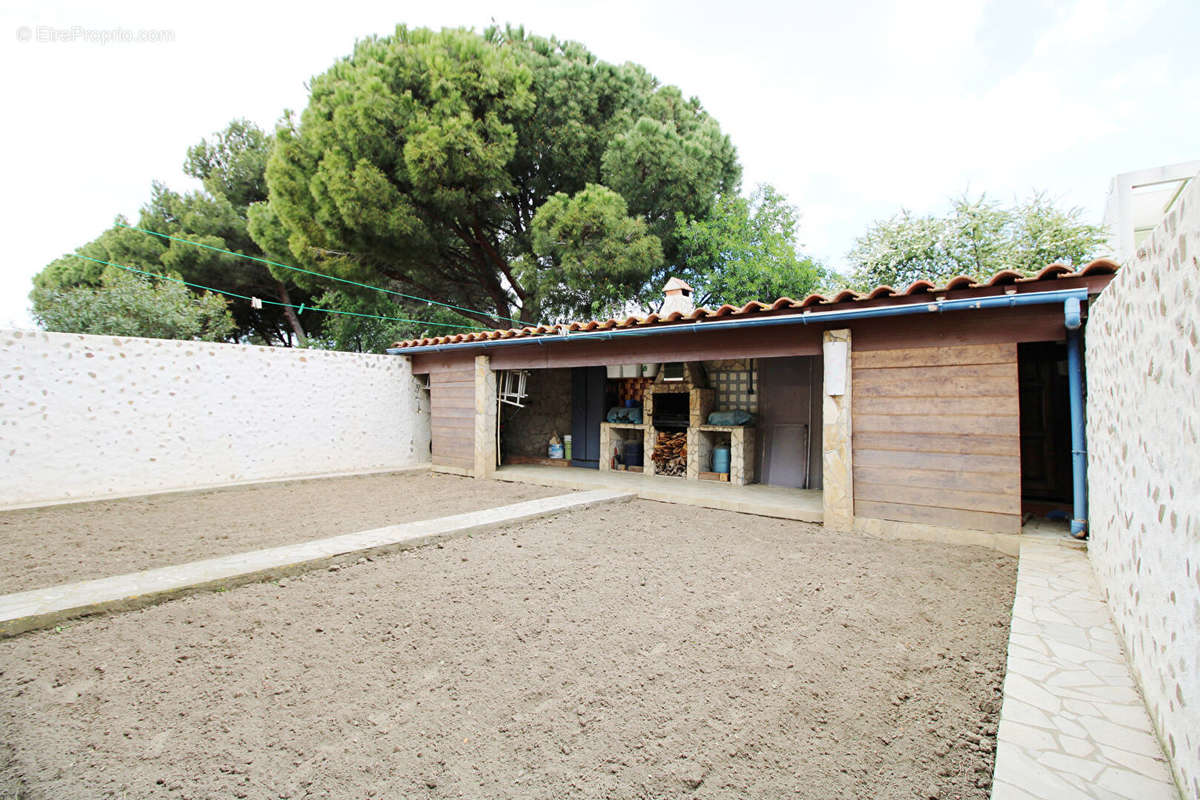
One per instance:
(588, 385)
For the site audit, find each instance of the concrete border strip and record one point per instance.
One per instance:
(40, 608)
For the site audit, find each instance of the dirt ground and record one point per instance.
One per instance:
(60, 544)
(639, 650)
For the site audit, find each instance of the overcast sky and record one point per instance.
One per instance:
(853, 109)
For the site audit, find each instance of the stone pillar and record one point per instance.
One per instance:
(485, 418)
(837, 459)
(648, 439)
(699, 453)
(741, 456)
(606, 446)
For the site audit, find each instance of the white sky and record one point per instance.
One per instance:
(853, 109)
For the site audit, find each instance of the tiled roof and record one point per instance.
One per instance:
(783, 304)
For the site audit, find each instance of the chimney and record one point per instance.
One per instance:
(678, 298)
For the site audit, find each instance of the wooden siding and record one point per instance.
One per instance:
(452, 415)
(937, 436)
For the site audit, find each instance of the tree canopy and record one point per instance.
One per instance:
(123, 304)
(747, 251)
(978, 238)
(514, 177)
(231, 167)
(232, 164)
(495, 171)
(600, 254)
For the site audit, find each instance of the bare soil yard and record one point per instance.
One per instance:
(638, 650)
(60, 544)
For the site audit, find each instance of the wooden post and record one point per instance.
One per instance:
(836, 444)
(485, 418)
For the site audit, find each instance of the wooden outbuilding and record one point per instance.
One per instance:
(942, 406)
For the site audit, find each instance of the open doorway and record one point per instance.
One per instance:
(1045, 428)
(526, 430)
(789, 424)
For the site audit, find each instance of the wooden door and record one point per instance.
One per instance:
(452, 417)
(588, 386)
(1045, 422)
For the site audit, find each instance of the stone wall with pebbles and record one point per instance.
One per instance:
(85, 417)
(1143, 362)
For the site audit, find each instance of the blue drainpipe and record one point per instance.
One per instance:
(1079, 521)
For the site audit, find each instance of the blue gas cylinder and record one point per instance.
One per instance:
(720, 458)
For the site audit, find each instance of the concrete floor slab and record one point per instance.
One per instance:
(41, 608)
(768, 501)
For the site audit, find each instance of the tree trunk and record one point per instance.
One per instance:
(290, 313)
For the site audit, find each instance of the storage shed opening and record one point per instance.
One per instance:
(1045, 428)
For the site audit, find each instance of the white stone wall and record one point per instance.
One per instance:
(1143, 368)
(93, 416)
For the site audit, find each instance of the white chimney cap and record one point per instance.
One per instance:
(678, 298)
(676, 285)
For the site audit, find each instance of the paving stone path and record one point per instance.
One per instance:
(1073, 723)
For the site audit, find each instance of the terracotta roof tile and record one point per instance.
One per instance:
(1006, 277)
(1101, 266)
(1002, 277)
(920, 287)
(1046, 273)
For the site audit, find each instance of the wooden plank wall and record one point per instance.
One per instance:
(452, 416)
(936, 436)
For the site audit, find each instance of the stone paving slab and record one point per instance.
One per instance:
(41, 608)
(1073, 723)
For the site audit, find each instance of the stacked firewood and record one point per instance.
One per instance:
(670, 453)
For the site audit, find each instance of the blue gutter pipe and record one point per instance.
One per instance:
(1070, 298)
(1079, 522)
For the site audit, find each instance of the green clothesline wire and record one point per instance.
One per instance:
(320, 274)
(302, 307)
